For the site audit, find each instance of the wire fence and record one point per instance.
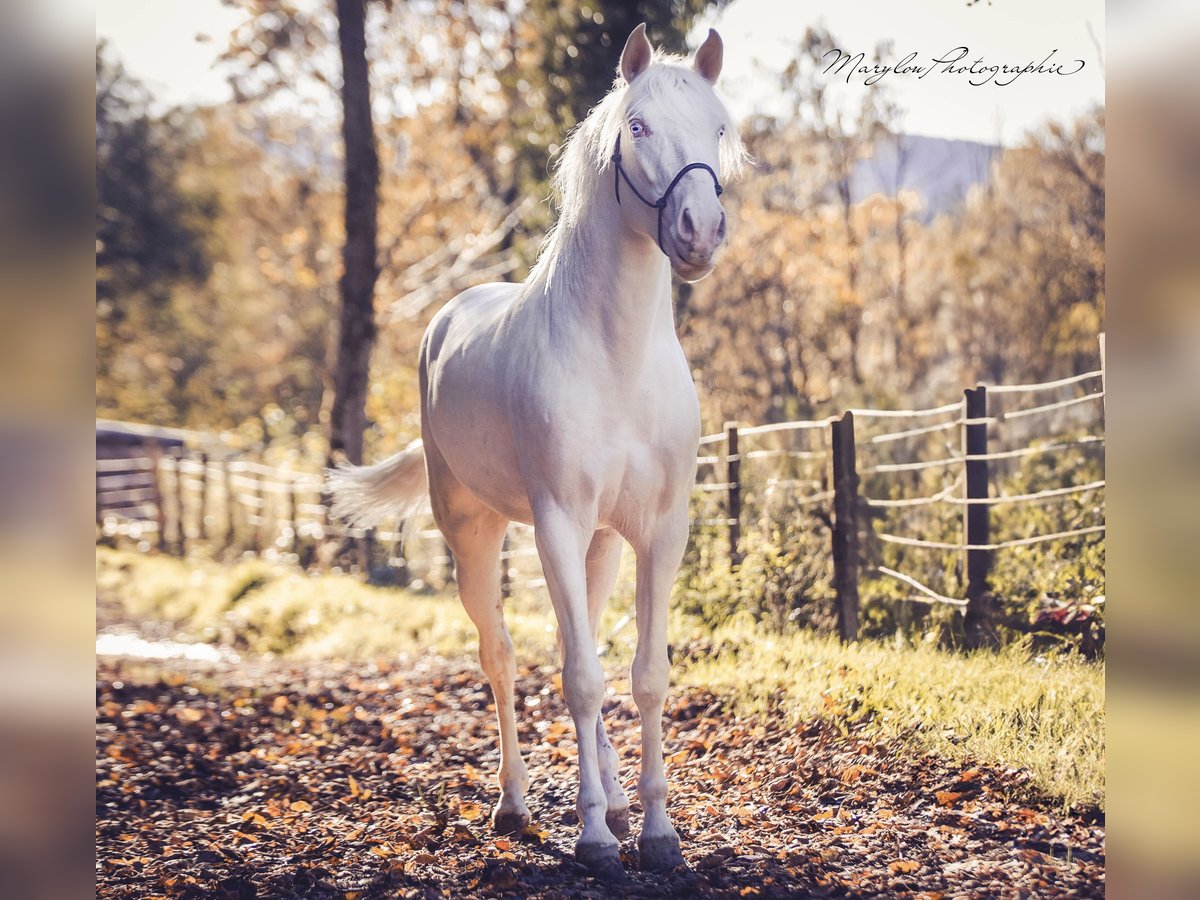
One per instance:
(862, 471)
(179, 500)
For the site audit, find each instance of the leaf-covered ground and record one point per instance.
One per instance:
(270, 779)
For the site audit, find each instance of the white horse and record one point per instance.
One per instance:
(566, 402)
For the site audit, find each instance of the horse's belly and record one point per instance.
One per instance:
(462, 412)
(478, 448)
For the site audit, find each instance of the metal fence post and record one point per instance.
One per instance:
(976, 529)
(733, 492)
(845, 526)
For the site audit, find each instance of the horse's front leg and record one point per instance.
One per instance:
(657, 564)
(562, 545)
(603, 563)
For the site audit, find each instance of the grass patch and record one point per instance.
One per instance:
(258, 607)
(1044, 714)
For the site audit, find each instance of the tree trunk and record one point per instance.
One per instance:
(356, 335)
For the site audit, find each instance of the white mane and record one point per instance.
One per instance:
(587, 151)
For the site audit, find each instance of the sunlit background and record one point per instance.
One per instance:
(173, 48)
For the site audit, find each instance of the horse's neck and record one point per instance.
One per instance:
(611, 283)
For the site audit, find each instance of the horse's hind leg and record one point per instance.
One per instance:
(475, 535)
(603, 562)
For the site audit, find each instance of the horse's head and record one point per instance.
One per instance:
(675, 135)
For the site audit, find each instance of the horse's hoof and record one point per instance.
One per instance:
(509, 821)
(660, 854)
(617, 821)
(601, 860)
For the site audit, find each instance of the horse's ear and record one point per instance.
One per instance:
(635, 58)
(709, 57)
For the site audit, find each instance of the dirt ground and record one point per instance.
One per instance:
(267, 779)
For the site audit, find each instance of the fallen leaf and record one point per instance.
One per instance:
(470, 811)
(536, 833)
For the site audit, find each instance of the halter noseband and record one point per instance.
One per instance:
(661, 203)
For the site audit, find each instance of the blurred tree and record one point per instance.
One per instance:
(1024, 264)
(844, 137)
(360, 266)
(149, 230)
(151, 239)
(432, 93)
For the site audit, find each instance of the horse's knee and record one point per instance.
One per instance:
(583, 684)
(496, 654)
(650, 677)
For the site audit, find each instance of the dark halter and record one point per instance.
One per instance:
(661, 203)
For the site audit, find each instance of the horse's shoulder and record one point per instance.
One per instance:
(468, 313)
(480, 298)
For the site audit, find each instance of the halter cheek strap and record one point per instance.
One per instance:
(661, 203)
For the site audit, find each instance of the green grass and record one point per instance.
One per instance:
(262, 608)
(1008, 709)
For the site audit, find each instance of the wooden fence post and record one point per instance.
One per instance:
(448, 573)
(154, 452)
(180, 506)
(260, 510)
(230, 503)
(733, 492)
(99, 502)
(1103, 380)
(845, 526)
(505, 560)
(367, 554)
(975, 518)
(205, 500)
(289, 500)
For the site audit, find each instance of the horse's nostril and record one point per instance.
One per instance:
(721, 228)
(687, 228)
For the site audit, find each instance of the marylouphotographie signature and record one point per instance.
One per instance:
(957, 62)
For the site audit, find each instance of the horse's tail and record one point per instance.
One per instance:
(365, 495)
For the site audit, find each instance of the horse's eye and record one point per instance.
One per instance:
(721, 131)
(637, 128)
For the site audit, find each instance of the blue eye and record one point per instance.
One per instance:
(636, 128)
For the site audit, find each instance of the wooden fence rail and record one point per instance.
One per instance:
(184, 499)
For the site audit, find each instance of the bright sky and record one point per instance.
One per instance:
(156, 39)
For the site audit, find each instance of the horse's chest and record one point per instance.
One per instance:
(650, 456)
